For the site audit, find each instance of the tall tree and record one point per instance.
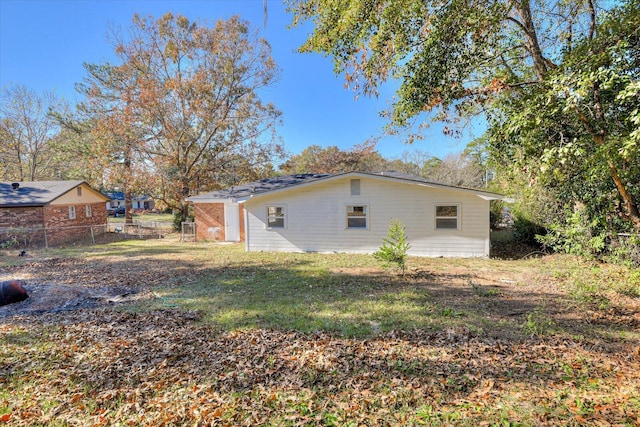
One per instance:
(573, 62)
(184, 100)
(110, 129)
(26, 131)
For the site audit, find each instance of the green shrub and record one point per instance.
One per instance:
(395, 246)
(495, 214)
(624, 249)
(179, 217)
(527, 231)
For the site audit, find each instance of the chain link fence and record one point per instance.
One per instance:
(188, 232)
(45, 237)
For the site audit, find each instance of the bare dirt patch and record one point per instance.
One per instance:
(64, 284)
(50, 298)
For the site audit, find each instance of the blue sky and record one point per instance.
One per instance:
(43, 44)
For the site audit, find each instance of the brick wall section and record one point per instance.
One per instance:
(21, 217)
(19, 223)
(60, 228)
(209, 216)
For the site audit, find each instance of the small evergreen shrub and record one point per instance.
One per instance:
(395, 247)
(179, 217)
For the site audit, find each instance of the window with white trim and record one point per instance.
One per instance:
(275, 217)
(87, 211)
(357, 216)
(72, 212)
(447, 217)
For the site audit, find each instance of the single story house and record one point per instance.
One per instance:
(50, 212)
(116, 200)
(348, 212)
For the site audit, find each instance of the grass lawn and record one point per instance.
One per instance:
(218, 336)
(145, 217)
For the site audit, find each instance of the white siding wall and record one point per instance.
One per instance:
(316, 219)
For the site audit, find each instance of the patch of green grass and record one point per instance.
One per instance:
(483, 291)
(303, 298)
(449, 312)
(537, 323)
(592, 284)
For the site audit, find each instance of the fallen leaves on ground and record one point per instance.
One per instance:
(103, 367)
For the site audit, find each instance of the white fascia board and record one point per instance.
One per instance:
(197, 199)
(485, 196)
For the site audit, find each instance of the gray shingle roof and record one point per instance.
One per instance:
(257, 187)
(35, 193)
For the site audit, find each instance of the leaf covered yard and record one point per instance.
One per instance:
(221, 337)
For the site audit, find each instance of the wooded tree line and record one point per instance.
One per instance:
(464, 169)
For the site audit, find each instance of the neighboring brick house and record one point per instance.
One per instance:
(50, 212)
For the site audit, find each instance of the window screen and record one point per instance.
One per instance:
(275, 216)
(356, 216)
(447, 217)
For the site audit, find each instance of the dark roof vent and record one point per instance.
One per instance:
(15, 185)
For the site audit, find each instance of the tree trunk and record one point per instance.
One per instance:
(540, 63)
(128, 204)
(631, 211)
(128, 199)
(184, 205)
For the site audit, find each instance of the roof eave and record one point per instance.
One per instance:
(197, 199)
(22, 205)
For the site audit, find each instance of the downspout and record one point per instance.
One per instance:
(245, 215)
(487, 245)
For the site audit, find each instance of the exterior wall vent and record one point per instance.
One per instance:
(355, 187)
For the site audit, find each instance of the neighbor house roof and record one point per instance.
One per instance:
(34, 193)
(119, 195)
(243, 192)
